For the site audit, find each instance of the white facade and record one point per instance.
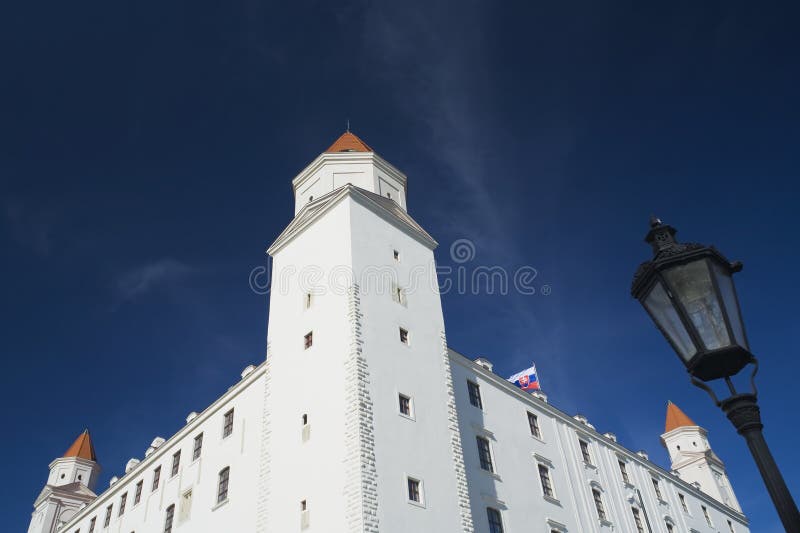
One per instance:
(390, 442)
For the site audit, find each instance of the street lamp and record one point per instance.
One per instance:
(687, 289)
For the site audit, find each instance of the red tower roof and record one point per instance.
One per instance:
(82, 447)
(676, 418)
(349, 142)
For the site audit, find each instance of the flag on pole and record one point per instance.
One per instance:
(527, 379)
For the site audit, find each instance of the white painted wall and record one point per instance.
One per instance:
(515, 489)
(366, 170)
(239, 451)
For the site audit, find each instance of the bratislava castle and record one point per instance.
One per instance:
(407, 435)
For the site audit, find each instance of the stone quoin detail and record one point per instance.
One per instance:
(361, 489)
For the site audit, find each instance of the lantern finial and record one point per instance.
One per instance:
(661, 236)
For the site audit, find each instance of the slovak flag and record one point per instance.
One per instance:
(527, 379)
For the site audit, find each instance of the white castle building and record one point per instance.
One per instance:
(407, 435)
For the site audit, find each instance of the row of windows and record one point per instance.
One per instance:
(486, 462)
(308, 338)
(227, 429)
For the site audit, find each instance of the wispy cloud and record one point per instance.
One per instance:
(146, 278)
(31, 228)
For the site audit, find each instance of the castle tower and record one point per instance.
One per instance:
(360, 429)
(69, 486)
(693, 459)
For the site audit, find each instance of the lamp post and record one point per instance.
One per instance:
(688, 291)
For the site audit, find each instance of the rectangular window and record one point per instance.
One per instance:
(670, 529)
(657, 489)
(308, 340)
(198, 447)
(156, 477)
(222, 485)
(533, 423)
(404, 336)
(682, 498)
(169, 518)
(122, 501)
(623, 469)
(485, 454)
(305, 519)
(398, 295)
(495, 521)
(587, 458)
(730, 526)
(598, 504)
(137, 496)
(304, 419)
(705, 514)
(474, 394)
(414, 494)
(176, 463)
(227, 426)
(92, 523)
(307, 300)
(405, 405)
(396, 255)
(108, 516)
(544, 477)
(637, 519)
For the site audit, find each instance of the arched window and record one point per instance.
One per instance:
(222, 486)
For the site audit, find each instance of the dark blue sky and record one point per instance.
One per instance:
(147, 148)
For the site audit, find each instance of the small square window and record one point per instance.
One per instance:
(405, 405)
(404, 336)
(396, 255)
(308, 340)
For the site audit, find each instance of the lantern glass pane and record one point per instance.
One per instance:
(691, 285)
(661, 309)
(731, 303)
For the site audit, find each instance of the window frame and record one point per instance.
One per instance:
(409, 405)
(416, 483)
(599, 505)
(107, 519)
(223, 477)
(534, 426)
(637, 519)
(586, 454)
(169, 518)
(176, 464)
(227, 423)
(137, 493)
(123, 500)
(198, 447)
(657, 489)
(544, 475)
(495, 526)
(485, 455)
(405, 336)
(623, 470)
(474, 391)
(156, 479)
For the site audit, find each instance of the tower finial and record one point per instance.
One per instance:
(348, 125)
